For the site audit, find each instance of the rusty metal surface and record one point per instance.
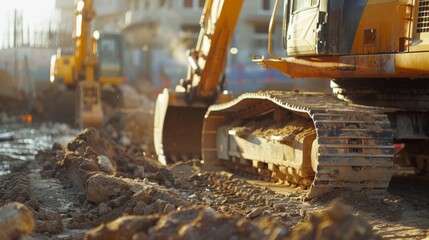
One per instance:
(353, 148)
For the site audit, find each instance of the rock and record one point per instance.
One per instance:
(33, 203)
(106, 165)
(125, 141)
(335, 222)
(140, 236)
(136, 188)
(139, 171)
(121, 228)
(142, 196)
(118, 201)
(189, 223)
(99, 145)
(100, 187)
(61, 143)
(49, 222)
(79, 169)
(169, 208)
(192, 197)
(16, 221)
(140, 208)
(255, 212)
(102, 209)
(89, 165)
(159, 205)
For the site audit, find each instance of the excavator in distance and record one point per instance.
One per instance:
(96, 60)
(375, 52)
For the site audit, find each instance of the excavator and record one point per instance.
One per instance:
(376, 53)
(96, 60)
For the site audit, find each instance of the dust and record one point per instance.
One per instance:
(131, 127)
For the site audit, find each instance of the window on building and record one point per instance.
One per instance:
(165, 3)
(260, 36)
(201, 3)
(188, 3)
(134, 5)
(189, 34)
(261, 29)
(193, 4)
(266, 5)
(303, 4)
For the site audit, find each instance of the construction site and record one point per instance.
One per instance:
(214, 119)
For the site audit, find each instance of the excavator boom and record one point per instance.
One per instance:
(89, 111)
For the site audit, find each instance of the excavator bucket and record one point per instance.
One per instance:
(177, 127)
(89, 112)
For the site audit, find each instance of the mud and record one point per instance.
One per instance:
(97, 189)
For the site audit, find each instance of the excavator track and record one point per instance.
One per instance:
(309, 139)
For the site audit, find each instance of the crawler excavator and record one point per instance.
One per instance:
(96, 60)
(375, 51)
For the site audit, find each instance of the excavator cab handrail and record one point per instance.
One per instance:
(286, 12)
(270, 31)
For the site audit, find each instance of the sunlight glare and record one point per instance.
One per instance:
(33, 12)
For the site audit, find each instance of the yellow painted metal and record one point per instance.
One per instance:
(395, 65)
(218, 23)
(90, 112)
(110, 80)
(62, 69)
(378, 17)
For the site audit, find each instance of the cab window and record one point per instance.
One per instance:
(299, 5)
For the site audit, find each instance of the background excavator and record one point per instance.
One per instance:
(376, 52)
(96, 60)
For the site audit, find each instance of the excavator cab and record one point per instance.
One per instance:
(109, 56)
(107, 65)
(341, 27)
(302, 19)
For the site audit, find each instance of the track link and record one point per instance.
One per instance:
(344, 146)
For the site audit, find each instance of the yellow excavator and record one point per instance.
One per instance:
(376, 53)
(96, 60)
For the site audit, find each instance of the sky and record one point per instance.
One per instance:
(36, 15)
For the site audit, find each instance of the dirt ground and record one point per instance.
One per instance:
(107, 184)
(96, 189)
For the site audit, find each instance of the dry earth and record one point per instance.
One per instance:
(98, 190)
